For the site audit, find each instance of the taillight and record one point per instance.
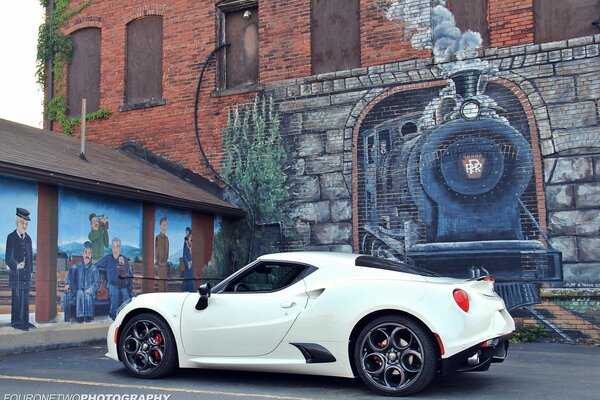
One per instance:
(461, 298)
(487, 278)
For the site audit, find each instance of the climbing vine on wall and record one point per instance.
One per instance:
(54, 46)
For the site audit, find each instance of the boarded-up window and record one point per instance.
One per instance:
(144, 60)
(335, 28)
(83, 78)
(471, 15)
(564, 19)
(239, 28)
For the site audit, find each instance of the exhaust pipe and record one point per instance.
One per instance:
(473, 360)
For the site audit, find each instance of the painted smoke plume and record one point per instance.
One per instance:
(414, 17)
(449, 43)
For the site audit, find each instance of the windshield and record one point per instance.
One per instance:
(382, 263)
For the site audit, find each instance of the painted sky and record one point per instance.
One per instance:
(17, 193)
(124, 217)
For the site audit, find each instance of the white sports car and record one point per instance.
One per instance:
(323, 314)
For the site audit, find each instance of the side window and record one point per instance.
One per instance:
(144, 60)
(267, 277)
(335, 27)
(472, 15)
(564, 19)
(238, 26)
(83, 79)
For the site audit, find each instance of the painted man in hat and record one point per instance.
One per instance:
(88, 281)
(98, 235)
(19, 258)
(118, 276)
(161, 253)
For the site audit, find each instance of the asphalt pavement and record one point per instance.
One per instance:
(532, 371)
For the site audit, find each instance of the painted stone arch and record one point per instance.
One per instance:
(550, 140)
(416, 200)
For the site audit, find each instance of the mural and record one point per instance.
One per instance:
(108, 230)
(448, 184)
(450, 188)
(18, 230)
(222, 263)
(252, 168)
(172, 250)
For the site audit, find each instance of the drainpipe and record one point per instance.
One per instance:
(83, 118)
(50, 74)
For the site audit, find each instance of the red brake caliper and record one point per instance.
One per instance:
(158, 341)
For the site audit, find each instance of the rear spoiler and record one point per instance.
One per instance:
(487, 278)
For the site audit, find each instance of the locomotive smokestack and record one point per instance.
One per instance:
(466, 82)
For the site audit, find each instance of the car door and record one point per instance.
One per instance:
(249, 316)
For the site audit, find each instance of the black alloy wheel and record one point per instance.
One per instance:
(395, 356)
(147, 347)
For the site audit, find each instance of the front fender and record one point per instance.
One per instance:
(167, 305)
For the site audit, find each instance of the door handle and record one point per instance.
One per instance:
(287, 304)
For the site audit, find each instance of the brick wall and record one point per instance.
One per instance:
(284, 35)
(384, 40)
(548, 92)
(510, 22)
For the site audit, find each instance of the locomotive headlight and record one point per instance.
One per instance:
(470, 109)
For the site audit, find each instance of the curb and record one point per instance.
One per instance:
(52, 336)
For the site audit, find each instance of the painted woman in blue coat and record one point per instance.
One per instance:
(188, 272)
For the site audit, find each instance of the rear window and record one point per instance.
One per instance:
(382, 263)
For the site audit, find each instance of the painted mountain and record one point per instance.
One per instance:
(74, 248)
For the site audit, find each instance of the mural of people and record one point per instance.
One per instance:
(161, 254)
(70, 292)
(119, 276)
(98, 235)
(19, 259)
(88, 281)
(76, 227)
(188, 272)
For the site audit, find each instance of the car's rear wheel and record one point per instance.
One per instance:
(147, 347)
(395, 356)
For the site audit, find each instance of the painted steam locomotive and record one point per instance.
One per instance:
(443, 190)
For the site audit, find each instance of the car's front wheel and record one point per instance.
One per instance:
(147, 347)
(395, 356)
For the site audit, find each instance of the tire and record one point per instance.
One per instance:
(147, 347)
(395, 356)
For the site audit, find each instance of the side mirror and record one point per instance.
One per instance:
(204, 291)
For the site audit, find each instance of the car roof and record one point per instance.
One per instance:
(319, 259)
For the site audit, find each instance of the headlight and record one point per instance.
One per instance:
(122, 306)
(470, 109)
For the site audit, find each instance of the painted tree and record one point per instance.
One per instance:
(254, 157)
(253, 166)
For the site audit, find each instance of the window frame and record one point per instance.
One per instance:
(221, 76)
(89, 109)
(152, 102)
(317, 67)
(486, 36)
(540, 36)
(238, 277)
